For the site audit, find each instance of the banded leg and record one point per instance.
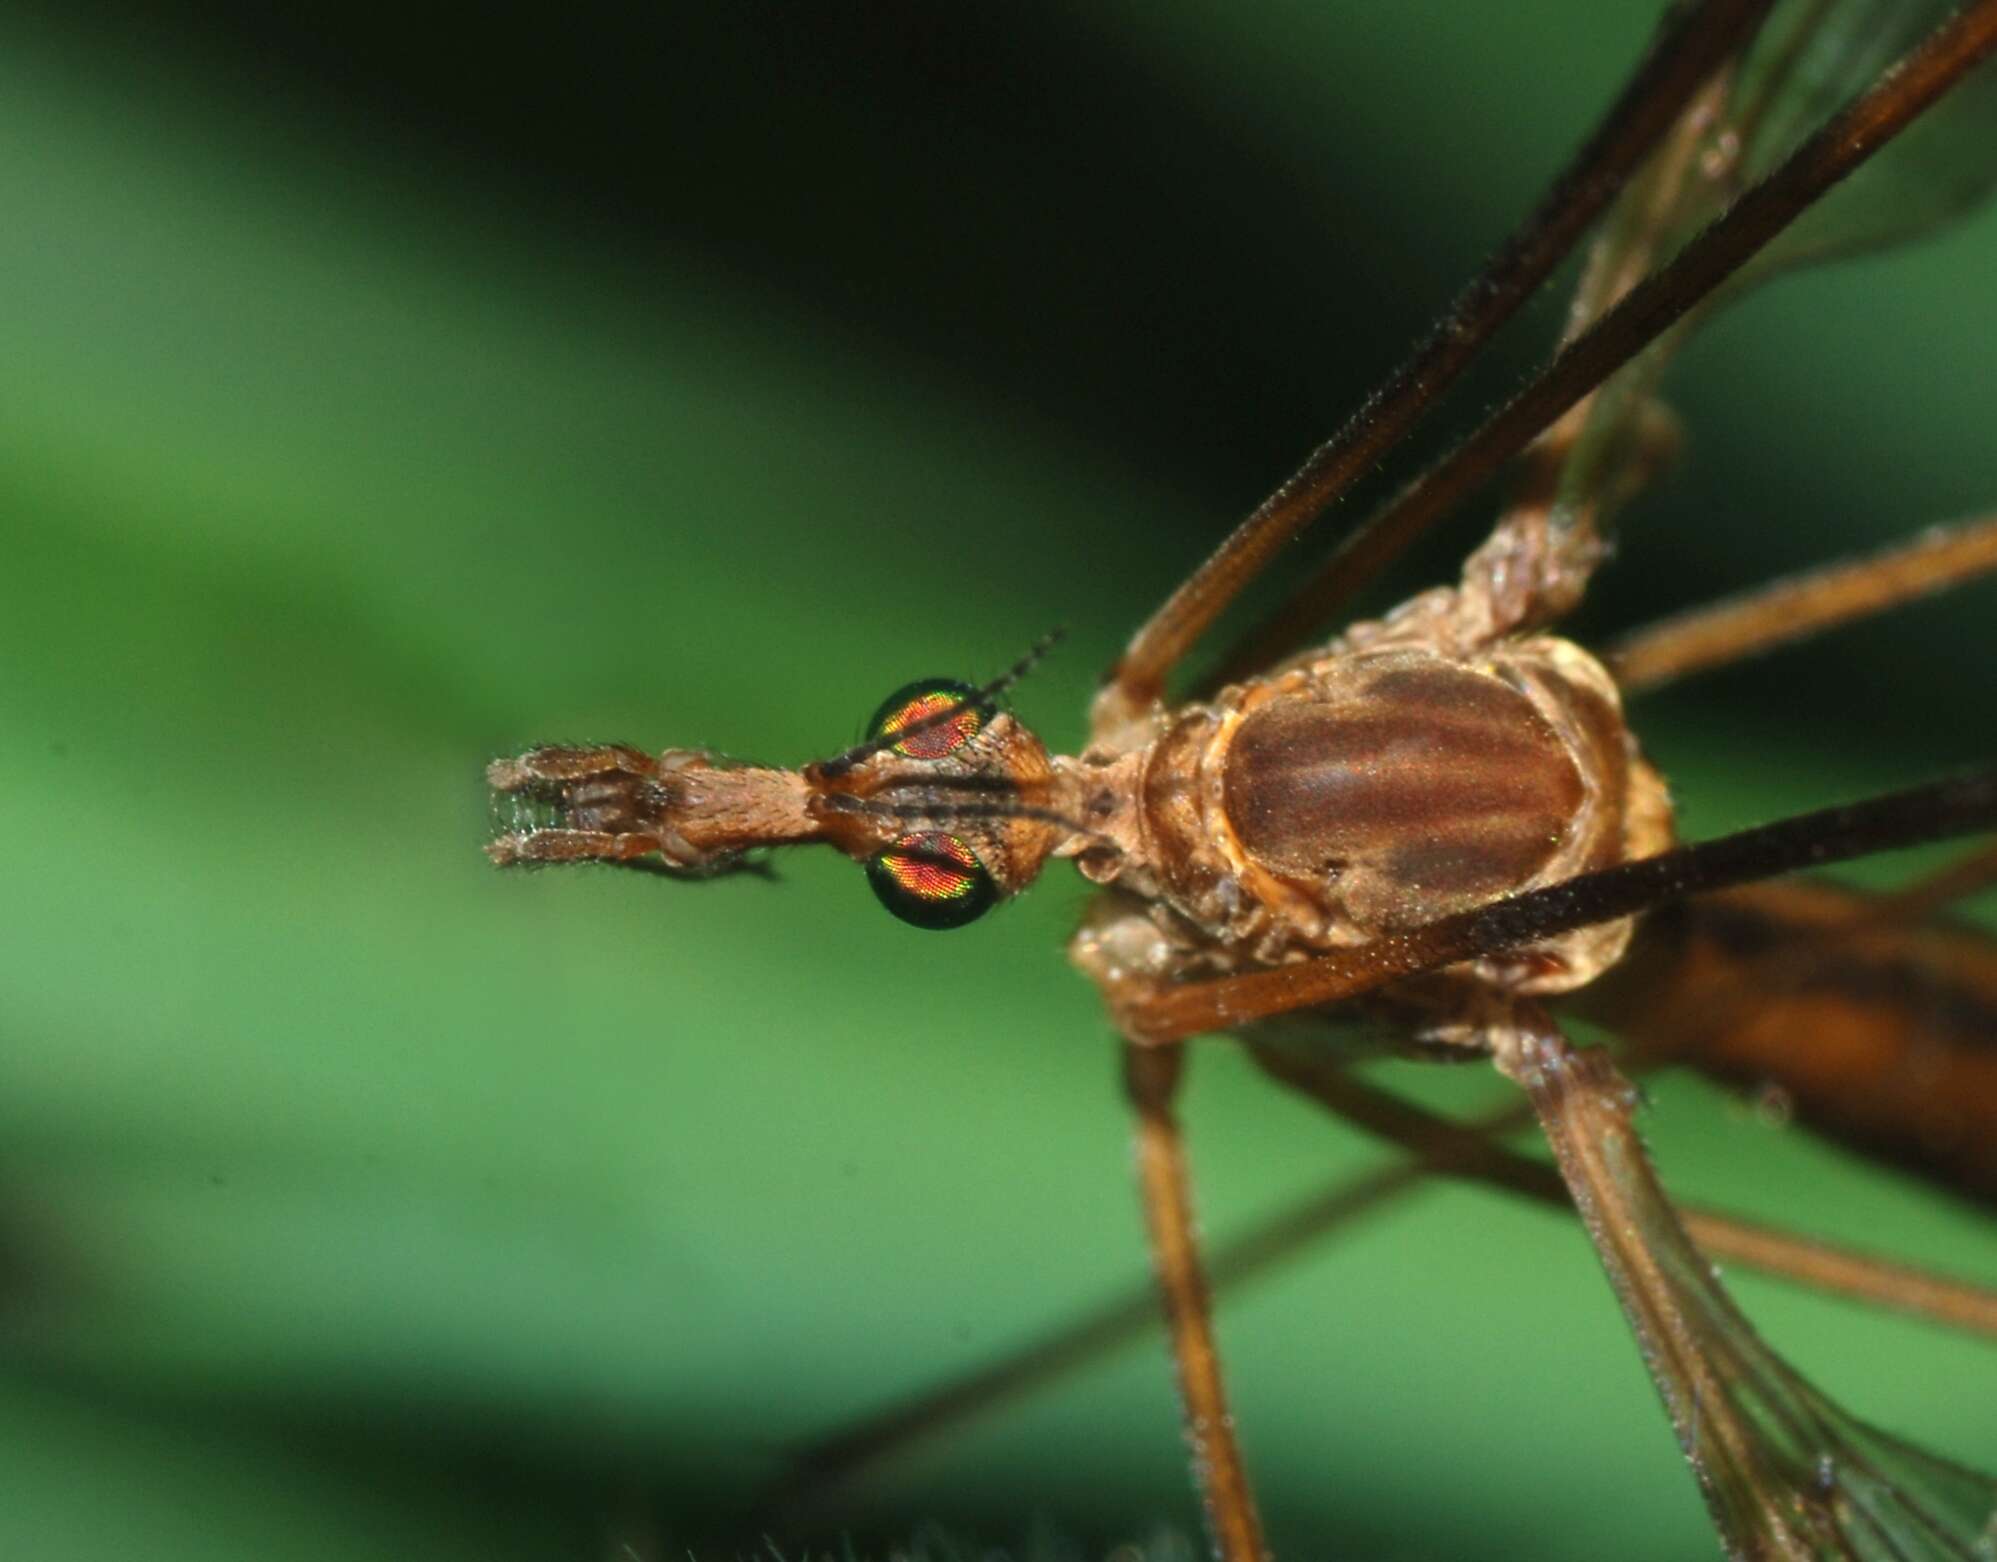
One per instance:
(1151, 1078)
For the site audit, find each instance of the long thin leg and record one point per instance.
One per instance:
(850, 1450)
(1537, 561)
(1698, 40)
(1784, 1471)
(1802, 605)
(1902, 93)
(1161, 1012)
(1970, 874)
(821, 1466)
(1463, 1150)
(1861, 1277)
(1151, 1077)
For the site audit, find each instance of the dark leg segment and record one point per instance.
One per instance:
(1696, 41)
(1903, 92)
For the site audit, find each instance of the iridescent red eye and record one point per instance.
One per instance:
(909, 704)
(932, 879)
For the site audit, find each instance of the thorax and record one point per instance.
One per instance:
(1373, 788)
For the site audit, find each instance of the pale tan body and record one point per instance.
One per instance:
(1196, 897)
(1419, 764)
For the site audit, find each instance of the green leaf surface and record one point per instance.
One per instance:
(358, 1201)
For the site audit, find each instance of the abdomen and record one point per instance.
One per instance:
(1883, 1036)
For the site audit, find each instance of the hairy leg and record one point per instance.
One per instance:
(1785, 1472)
(1151, 1078)
(1649, 310)
(1785, 611)
(1696, 41)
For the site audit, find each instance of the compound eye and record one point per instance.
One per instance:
(910, 703)
(931, 879)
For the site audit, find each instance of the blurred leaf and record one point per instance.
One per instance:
(355, 1200)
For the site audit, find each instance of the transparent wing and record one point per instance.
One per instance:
(1811, 59)
(1814, 57)
(1785, 1472)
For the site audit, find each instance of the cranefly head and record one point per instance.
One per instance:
(949, 803)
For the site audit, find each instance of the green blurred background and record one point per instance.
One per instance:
(377, 396)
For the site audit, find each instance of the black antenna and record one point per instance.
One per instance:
(984, 700)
